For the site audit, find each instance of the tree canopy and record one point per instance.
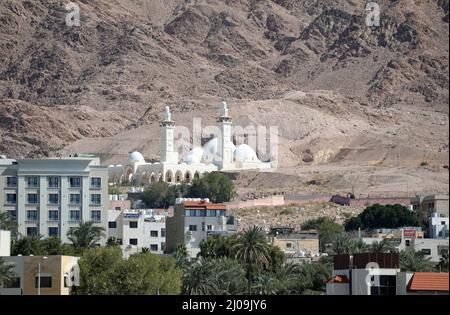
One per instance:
(215, 186)
(382, 216)
(327, 228)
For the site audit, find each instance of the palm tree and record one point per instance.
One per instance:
(86, 235)
(357, 246)
(415, 262)
(341, 244)
(383, 246)
(252, 249)
(6, 272)
(181, 256)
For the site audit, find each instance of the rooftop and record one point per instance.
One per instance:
(429, 281)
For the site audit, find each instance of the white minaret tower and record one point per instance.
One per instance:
(166, 139)
(225, 149)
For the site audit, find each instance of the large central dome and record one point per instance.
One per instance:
(244, 153)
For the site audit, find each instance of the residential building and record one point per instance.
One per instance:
(437, 226)
(5, 243)
(379, 274)
(50, 196)
(137, 229)
(297, 245)
(411, 239)
(59, 275)
(425, 206)
(193, 221)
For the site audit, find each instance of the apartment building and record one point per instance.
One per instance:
(57, 275)
(138, 229)
(438, 226)
(50, 196)
(193, 221)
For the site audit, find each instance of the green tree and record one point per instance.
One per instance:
(215, 186)
(86, 235)
(181, 256)
(415, 262)
(161, 195)
(383, 246)
(28, 245)
(252, 250)
(114, 190)
(6, 223)
(209, 276)
(54, 246)
(327, 228)
(6, 272)
(382, 216)
(218, 246)
(112, 241)
(96, 265)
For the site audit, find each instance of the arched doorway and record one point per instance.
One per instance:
(178, 177)
(152, 178)
(169, 176)
(188, 176)
(196, 175)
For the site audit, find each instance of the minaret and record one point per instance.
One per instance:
(225, 149)
(166, 139)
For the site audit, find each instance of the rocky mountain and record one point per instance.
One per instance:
(62, 88)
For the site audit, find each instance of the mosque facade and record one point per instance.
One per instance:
(218, 154)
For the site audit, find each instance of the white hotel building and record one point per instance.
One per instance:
(49, 196)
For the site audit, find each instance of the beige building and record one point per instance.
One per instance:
(58, 275)
(195, 220)
(427, 205)
(296, 244)
(50, 196)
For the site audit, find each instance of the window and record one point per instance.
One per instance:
(53, 199)
(133, 225)
(190, 213)
(426, 251)
(386, 285)
(96, 182)
(53, 182)
(13, 283)
(163, 232)
(203, 226)
(12, 214)
(74, 182)
(154, 247)
(407, 242)
(289, 245)
(33, 199)
(75, 199)
(133, 241)
(443, 223)
(209, 227)
(220, 213)
(46, 282)
(96, 215)
(96, 199)
(11, 182)
(32, 231)
(11, 199)
(112, 225)
(153, 233)
(32, 182)
(32, 215)
(192, 228)
(119, 241)
(52, 231)
(53, 215)
(211, 213)
(74, 215)
(163, 246)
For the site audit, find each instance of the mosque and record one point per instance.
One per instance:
(219, 154)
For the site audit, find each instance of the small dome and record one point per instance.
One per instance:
(194, 156)
(244, 153)
(136, 157)
(211, 148)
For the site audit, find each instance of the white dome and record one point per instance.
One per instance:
(194, 156)
(136, 157)
(244, 153)
(211, 148)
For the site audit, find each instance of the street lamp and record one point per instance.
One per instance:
(39, 275)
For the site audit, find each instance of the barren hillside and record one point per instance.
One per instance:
(341, 93)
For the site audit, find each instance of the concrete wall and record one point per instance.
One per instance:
(262, 202)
